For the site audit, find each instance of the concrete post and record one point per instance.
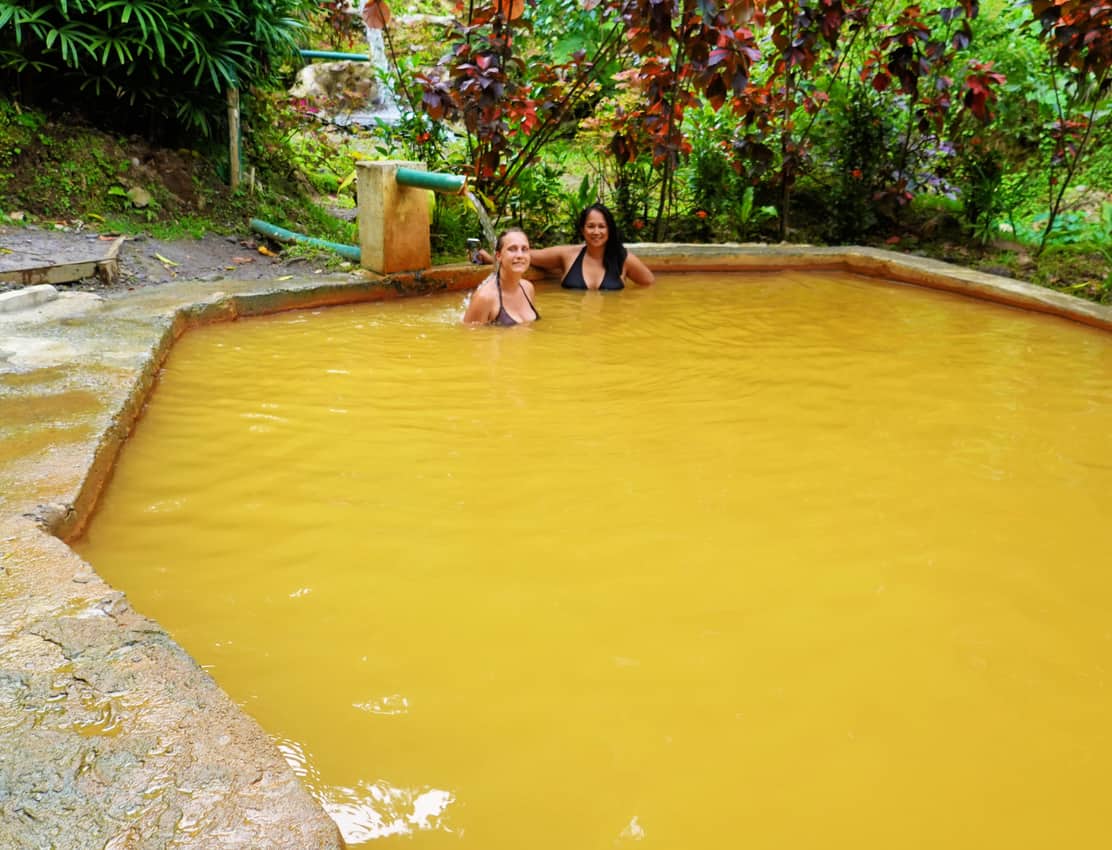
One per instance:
(393, 219)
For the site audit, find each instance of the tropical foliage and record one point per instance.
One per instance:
(717, 113)
(839, 120)
(149, 65)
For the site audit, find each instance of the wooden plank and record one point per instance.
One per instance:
(108, 269)
(55, 273)
(114, 248)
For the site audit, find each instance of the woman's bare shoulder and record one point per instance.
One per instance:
(484, 297)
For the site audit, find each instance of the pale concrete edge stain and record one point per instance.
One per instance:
(274, 820)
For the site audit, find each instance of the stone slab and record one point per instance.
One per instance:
(24, 299)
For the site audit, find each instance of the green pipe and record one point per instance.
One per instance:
(329, 54)
(448, 184)
(280, 234)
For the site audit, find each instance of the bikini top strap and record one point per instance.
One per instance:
(530, 303)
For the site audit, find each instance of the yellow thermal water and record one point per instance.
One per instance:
(775, 561)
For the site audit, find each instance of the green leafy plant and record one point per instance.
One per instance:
(147, 65)
(857, 137)
(535, 198)
(509, 108)
(1079, 36)
(981, 176)
(750, 218)
(574, 202)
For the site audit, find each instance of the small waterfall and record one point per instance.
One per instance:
(377, 48)
(386, 105)
(484, 221)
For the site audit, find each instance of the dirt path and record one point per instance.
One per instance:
(146, 261)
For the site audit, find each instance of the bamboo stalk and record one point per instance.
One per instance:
(233, 137)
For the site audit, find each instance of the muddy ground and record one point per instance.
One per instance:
(147, 261)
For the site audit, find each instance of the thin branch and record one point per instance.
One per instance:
(606, 50)
(1074, 163)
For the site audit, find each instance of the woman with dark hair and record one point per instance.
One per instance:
(601, 262)
(505, 297)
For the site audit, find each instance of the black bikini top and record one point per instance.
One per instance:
(574, 278)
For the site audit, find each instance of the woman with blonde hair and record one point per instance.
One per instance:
(505, 297)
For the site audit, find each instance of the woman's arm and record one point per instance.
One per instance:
(483, 306)
(637, 272)
(557, 259)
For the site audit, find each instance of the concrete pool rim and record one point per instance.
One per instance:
(66, 632)
(661, 257)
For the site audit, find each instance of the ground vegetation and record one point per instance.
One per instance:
(969, 131)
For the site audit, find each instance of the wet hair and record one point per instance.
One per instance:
(504, 234)
(614, 252)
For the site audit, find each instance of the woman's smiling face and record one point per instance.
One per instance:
(595, 231)
(514, 253)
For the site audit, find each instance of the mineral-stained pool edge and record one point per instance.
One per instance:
(59, 500)
(870, 263)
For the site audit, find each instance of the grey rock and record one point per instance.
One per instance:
(139, 197)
